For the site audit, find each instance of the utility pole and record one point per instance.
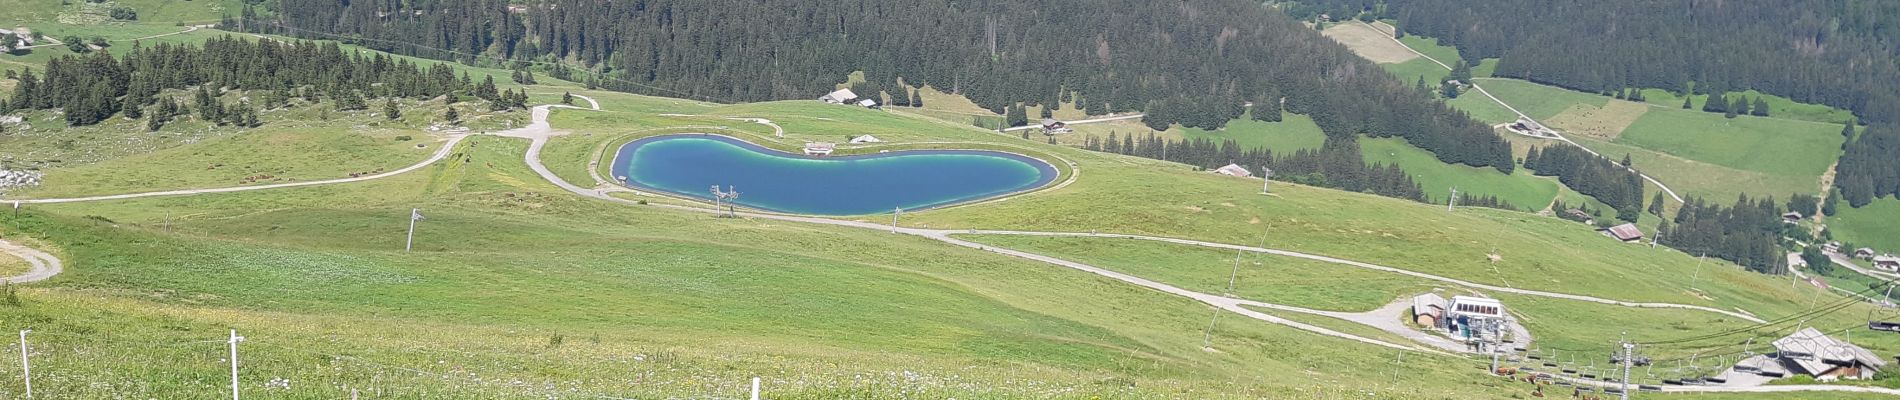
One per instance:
(1629, 351)
(1207, 336)
(1697, 279)
(1454, 199)
(234, 363)
(732, 196)
(1235, 275)
(415, 214)
(1494, 359)
(1266, 179)
(26, 370)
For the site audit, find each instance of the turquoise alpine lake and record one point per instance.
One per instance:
(690, 165)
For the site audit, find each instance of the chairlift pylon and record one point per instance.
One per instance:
(1885, 318)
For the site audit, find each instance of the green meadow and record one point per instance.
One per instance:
(519, 289)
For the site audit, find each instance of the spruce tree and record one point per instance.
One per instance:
(130, 107)
(1686, 102)
(487, 90)
(1715, 103)
(1016, 115)
(1761, 107)
(390, 110)
(567, 98)
(1656, 205)
(1737, 107)
(451, 115)
(1460, 72)
(1847, 131)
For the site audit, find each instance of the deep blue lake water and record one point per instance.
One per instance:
(688, 165)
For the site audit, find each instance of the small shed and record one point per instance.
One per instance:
(840, 96)
(1791, 217)
(1051, 125)
(1810, 352)
(867, 103)
(1427, 309)
(1625, 232)
(1234, 170)
(1864, 253)
(1889, 263)
(866, 139)
(1832, 247)
(820, 148)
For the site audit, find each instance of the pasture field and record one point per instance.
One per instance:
(1263, 277)
(1778, 106)
(1538, 101)
(1875, 225)
(519, 289)
(1555, 323)
(1695, 152)
(1418, 68)
(150, 12)
(1520, 188)
(1293, 132)
(1768, 145)
(502, 250)
(1606, 122)
(1370, 43)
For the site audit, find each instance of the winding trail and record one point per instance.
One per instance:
(1376, 267)
(1082, 121)
(44, 265)
(440, 153)
(1514, 110)
(53, 42)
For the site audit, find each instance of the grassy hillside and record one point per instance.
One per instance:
(150, 12)
(1873, 225)
(1695, 152)
(1524, 191)
(1293, 132)
(501, 251)
(518, 289)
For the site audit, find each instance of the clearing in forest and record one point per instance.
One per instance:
(1606, 122)
(1369, 43)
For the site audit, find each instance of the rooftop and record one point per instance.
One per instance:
(1817, 353)
(1626, 232)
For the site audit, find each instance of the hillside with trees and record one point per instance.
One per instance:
(92, 87)
(1193, 63)
(1840, 53)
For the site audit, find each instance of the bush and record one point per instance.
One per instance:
(404, 138)
(123, 13)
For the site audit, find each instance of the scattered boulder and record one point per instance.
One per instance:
(18, 178)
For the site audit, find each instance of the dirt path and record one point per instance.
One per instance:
(443, 152)
(1080, 122)
(44, 265)
(55, 42)
(1375, 267)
